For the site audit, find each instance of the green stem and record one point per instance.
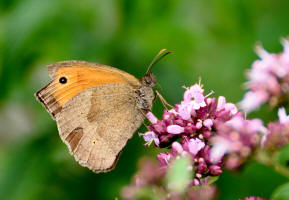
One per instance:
(264, 158)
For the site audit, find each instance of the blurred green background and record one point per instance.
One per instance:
(211, 39)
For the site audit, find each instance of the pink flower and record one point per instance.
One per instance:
(177, 148)
(277, 134)
(253, 100)
(148, 174)
(152, 118)
(253, 198)
(199, 125)
(283, 117)
(199, 102)
(268, 79)
(215, 170)
(150, 137)
(185, 110)
(164, 158)
(220, 148)
(196, 93)
(221, 103)
(193, 146)
(236, 123)
(208, 123)
(187, 129)
(193, 92)
(227, 106)
(231, 107)
(267, 61)
(175, 129)
(237, 138)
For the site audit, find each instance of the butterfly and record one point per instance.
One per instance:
(97, 108)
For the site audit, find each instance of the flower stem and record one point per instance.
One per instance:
(270, 161)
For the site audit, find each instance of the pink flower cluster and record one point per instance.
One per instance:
(277, 134)
(268, 79)
(237, 137)
(253, 198)
(214, 134)
(150, 177)
(187, 129)
(148, 174)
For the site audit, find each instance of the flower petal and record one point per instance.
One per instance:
(152, 118)
(175, 129)
(188, 95)
(253, 100)
(195, 145)
(185, 110)
(217, 152)
(231, 107)
(199, 98)
(164, 158)
(221, 103)
(157, 141)
(177, 148)
(149, 137)
(199, 125)
(283, 117)
(208, 123)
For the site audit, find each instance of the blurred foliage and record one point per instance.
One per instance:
(283, 156)
(282, 192)
(178, 175)
(211, 39)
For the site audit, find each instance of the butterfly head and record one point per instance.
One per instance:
(149, 80)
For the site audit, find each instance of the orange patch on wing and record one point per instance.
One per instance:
(80, 78)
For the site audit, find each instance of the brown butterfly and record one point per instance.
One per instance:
(97, 108)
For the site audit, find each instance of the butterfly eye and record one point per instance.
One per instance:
(62, 80)
(148, 81)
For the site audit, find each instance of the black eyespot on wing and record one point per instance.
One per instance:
(63, 80)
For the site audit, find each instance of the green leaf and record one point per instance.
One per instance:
(179, 175)
(213, 179)
(283, 156)
(281, 193)
(152, 193)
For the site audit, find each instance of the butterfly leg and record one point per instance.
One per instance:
(164, 102)
(145, 116)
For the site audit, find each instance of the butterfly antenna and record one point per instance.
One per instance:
(157, 58)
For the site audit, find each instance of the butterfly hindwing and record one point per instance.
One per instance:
(97, 123)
